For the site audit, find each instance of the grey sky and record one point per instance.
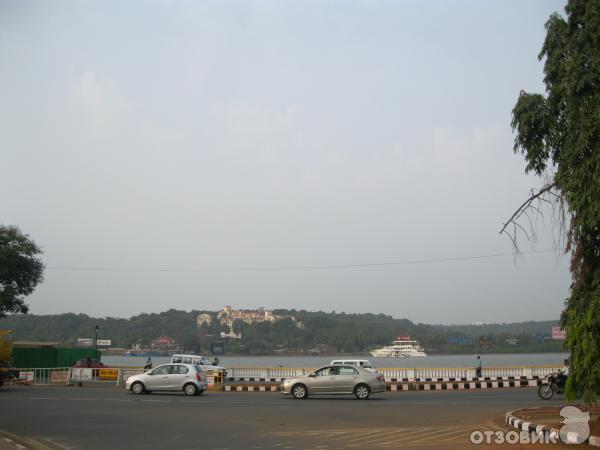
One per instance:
(172, 134)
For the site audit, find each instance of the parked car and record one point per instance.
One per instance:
(336, 379)
(364, 363)
(201, 361)
(189, 378)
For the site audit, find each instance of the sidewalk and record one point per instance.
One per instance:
(8, 443)
(549, 419)
(11, 441)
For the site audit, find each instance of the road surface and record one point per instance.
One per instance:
(100, 418)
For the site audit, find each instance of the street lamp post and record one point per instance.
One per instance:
(96, 339)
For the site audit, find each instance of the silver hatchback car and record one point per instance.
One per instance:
(336, 379)
(189, 378)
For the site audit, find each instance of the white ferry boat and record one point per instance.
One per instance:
(403, 347)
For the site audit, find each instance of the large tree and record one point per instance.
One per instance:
(559, 135)
(20, 269)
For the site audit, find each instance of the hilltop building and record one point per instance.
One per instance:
(227, 316)
(231, 335)
(203, 319)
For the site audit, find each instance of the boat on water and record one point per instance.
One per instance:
(403, 347)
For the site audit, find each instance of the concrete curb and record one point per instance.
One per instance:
(523, 425)
(251, 388)
(21, 442)
(439, 385)
(518, 381)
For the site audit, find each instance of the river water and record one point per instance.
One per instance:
(491, 360)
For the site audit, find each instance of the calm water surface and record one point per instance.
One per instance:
(493, 360)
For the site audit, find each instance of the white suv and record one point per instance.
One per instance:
(201, 361)
(189, 378)
(364, 363)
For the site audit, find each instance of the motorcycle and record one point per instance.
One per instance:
(554, 383)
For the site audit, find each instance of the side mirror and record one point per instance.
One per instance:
(312, 375)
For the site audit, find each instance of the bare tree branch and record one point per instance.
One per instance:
(528, 203)
(517, 224)
(511, 238)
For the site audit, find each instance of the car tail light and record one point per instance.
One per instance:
(380, 378)
(198, 376)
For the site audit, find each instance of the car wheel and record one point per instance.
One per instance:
(362, 391)
(190, 389)
(137, 388)
(299, 391)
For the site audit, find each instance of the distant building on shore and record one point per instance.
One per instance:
(163, 343)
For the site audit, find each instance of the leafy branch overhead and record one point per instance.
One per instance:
(20, 269)
(559, 133)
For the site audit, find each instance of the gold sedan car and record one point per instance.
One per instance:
(331, 380)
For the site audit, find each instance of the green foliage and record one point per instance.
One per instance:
(561, 133)
(341, 333)
(20, 269)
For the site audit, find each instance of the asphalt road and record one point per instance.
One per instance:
(100, 418)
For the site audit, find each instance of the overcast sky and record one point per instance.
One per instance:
(223, 135)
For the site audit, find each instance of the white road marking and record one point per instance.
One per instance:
(196, 402)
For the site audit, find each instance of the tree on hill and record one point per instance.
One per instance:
(20, 269)
(559, 135)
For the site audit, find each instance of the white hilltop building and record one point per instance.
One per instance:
(228, 315)
(203, 319)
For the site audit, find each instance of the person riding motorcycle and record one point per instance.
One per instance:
(556, 382)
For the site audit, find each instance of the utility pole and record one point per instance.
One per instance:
(96, 339)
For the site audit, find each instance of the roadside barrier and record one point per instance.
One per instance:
(268, 379)
(126, 372)
(399, 374)
(47, 375)
(67, 375)
(464, 384)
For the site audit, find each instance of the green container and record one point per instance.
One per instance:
(26, 357)
(66, 357)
